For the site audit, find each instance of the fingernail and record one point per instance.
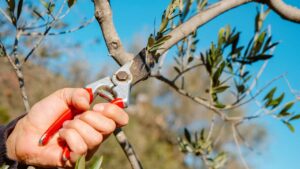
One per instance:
(98, 107)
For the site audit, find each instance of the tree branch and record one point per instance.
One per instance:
(127, 148)
(284, 10)
(193, 98)
(199, 19)
(83, 25)
(103, 15)
(18, 70)
(235, 138)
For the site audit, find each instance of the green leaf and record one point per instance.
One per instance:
(220, 160)
(268, 41)
(269, 96)
(4, 166)
(218, 73)
(240, 88)
(289, 125)
(202, 134)
(162, 40)
(287, 107)
(219, 105)
(163, 24)
(220, 89)
(201, 5)
(275, 102)
(11, 5)
(271, 46)
(20, 7)
(190, 59)
(221, 36)
(51, 7)
(283, 114)
(95, 162)
(260, 57)
(261, 37)
(80, 163)
(177, 69)
(187, 135)
(296, 117)
(151, 41)
(71, 3)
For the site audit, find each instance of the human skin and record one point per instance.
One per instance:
(83, 134)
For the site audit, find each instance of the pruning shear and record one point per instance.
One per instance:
(115, 89)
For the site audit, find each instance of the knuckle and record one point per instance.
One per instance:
(82, 149)
(110, 126)
(110, 109)
(95, 140)
(85, 116)
(63, 92)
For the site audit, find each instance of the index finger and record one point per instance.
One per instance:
(112, 112)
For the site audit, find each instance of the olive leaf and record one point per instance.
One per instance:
(71, 3)
(80, 163)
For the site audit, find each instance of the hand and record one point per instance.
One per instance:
(83, 134)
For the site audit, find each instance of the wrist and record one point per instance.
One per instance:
(12, 138)
(11, 142)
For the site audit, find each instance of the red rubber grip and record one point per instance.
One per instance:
(67, 115)
(66, 150)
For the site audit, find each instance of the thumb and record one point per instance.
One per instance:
(49, 109)
(77, 98)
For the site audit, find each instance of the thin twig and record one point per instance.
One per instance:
(127, 148)
(219, 135)
(20, 76)
(187, 70)
(235, 138)
(115, 47)
(51, 24)
(62, 32)
(211, 128)
(230, 107)
(39, 42)
(198, 100)
(5, 15)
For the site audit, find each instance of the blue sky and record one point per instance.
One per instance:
(134, 17)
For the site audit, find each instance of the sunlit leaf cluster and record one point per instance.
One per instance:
(200, 145)
(14, 10)
(227, 58)
(94, 163)
(283, 113)
(174, 15)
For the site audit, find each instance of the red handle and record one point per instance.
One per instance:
(66, 150)
(69, 115)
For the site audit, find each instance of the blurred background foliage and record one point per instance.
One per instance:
(167, 130)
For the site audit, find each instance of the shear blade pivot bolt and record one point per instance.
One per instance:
(122, 76)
